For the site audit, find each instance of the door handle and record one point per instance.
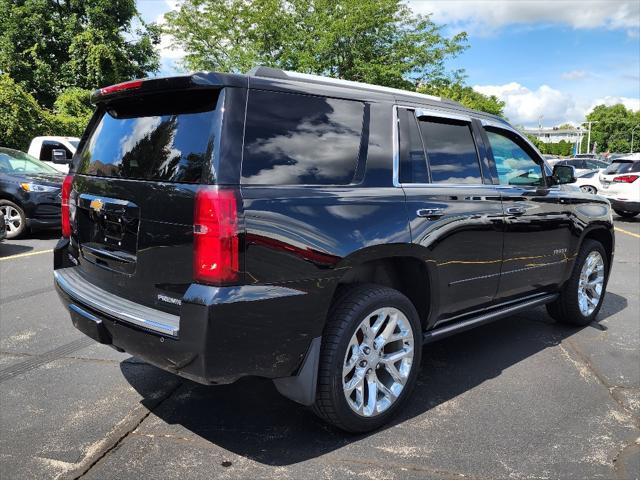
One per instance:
(516, 210)
(430, 212)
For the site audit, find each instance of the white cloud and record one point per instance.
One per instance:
(485, 16)
(575, 75)
(168, 52)
(629, 103)
(524, 106)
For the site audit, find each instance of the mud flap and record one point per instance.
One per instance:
(301, 387)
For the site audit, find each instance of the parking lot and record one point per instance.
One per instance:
(521, 398)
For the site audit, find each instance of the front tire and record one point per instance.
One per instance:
(582, 295)
(589, 189)
(625, 214)
(369, 360)
(15, 219)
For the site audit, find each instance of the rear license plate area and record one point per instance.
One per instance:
(108, 232)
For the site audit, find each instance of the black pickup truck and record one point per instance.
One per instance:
(313, 231)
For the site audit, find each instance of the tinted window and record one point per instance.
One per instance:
(514, 165)
(596, 164)
(151, 138)
(451, 152)
(47, 150)
(623, 167)
(300, 139)
(413, 163)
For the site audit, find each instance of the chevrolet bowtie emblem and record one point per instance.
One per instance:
(96, 205)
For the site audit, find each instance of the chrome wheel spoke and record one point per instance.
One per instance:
(591, 283)
(378, 361)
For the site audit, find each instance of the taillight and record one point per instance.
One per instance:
(66, 214)
(215, 236)
(626, 178)
(131, 85)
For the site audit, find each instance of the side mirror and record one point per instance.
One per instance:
(563, 174)
(59, 156)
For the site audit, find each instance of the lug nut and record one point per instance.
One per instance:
(363, 363)
(366, 350)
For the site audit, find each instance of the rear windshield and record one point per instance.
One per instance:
(622, 166)
(166, 137)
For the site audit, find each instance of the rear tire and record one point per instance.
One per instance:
(582, 295)
(624, 214)
(15, 219)
(589, 189)
(360, 385)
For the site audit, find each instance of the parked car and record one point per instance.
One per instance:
(3, 227)
(56, 152)
(317, 233)
(583, 165)
(621, 186)
(589, 182)
(29, 192)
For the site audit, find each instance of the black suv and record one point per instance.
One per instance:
(312, 231)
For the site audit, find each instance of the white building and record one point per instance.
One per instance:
(555, 135)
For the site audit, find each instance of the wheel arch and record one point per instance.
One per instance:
(402, 269)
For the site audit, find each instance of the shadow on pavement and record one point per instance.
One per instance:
(251, 419)
(43, 234)
(9, 249)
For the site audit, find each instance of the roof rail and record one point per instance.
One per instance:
(270, 72)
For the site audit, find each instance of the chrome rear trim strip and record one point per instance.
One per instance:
(70, 281)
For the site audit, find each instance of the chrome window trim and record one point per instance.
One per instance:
(396, 148)
(70, 282)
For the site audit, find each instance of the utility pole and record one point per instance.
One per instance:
(638, 125)
(589, 136)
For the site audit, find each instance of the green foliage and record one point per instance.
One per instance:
(612, 133)
(49, 45)
(467, 96)
(561, 148)
(21, 118)
(374, 41)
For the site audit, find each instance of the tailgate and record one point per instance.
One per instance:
(133, 194)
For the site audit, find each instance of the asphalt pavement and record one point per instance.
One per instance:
(523, 397)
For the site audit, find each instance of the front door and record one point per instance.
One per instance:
(537, 229)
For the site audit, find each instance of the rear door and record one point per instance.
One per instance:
(454, 210)
(136, 175)
(537, 231)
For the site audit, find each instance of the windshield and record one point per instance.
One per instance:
(14, 161)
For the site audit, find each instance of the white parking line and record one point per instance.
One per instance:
(28, 254)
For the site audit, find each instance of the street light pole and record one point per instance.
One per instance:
(589, 136)
(638, 125)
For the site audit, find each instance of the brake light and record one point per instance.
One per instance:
(626, 178)
(131, 85)
(66, 214)
(215, 236)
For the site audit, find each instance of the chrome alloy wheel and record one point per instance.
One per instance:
(378, 361)
(588, 189)
(591, 283)
(11, 217)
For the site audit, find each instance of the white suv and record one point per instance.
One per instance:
(621, 186)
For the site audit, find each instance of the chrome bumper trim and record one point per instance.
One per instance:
(70, 282)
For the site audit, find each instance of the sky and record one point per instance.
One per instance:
(554, 59)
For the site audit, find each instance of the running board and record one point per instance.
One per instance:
(461, 326)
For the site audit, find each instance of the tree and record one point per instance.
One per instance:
(48, 45)
(467, 96)
(374, 41)
(612, 133)
(21, 117)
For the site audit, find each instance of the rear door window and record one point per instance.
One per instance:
(293, 139)
(161, 138)
(451, 151)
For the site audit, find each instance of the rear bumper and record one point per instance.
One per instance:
(221, 334)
